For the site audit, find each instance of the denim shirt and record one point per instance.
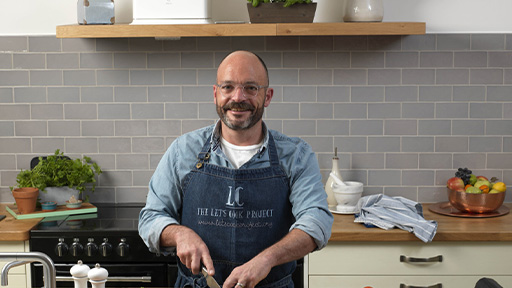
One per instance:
(164, 199)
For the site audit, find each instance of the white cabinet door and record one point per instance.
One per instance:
(18, 277)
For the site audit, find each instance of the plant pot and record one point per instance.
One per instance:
(276, 13)
(26, 199)
(58, 194)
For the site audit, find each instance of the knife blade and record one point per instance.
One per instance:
(209, 279)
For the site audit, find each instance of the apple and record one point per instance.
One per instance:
(481, 183)
(455, 183)
(494, 191)
(481, 178)
(473, 190)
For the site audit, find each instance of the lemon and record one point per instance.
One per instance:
(500, 186)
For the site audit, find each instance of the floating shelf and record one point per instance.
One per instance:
(228, 30)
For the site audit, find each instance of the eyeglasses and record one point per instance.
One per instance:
(249, 90)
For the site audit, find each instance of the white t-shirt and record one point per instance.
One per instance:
(238, 155)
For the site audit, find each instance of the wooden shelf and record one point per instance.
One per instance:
(228, 30)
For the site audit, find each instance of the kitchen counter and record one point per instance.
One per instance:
(15, 230)
(449, 229)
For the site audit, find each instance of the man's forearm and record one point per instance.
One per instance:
(293, 246)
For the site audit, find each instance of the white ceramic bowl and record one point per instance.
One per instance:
(348, 195)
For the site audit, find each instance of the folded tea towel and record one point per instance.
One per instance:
(388, 212)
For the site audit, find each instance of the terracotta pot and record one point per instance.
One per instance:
(26, 199)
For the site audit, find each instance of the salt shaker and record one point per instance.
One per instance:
(79, 272)
(98, 276)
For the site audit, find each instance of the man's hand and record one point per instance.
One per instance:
(251, 272)
(190, 248)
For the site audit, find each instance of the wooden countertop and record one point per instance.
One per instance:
(449, 229)
(15, 230)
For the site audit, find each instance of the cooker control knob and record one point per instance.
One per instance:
(62, 248)
(76, 248)
(91, 248)
(105, 248)
(123, 248)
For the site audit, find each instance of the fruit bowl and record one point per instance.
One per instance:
(475, 203)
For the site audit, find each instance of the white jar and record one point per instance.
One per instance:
(364, 11)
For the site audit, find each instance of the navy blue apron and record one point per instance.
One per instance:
(238, 213)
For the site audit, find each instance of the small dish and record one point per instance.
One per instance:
(74, 205)
(48, 206)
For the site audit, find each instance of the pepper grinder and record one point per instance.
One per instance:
(79, 272)
(331, 200)
(98, 276)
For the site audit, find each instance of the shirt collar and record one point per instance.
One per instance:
(215, 139)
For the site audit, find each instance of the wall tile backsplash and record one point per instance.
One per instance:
(404, 111)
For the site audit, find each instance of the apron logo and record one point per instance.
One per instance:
(234, 198)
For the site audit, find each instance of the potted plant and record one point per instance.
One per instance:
(281, 11)
(58, 177)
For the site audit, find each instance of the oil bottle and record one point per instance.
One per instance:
(331, 200)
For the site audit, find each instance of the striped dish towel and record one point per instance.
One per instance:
(388, 212)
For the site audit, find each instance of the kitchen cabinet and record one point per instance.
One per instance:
(227, 30)
(379, 265)
(19, 277)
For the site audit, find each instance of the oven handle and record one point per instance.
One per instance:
(141, 279)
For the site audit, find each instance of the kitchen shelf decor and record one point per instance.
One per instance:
(281, 12)
(237, 30)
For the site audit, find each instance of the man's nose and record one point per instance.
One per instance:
(238, 94)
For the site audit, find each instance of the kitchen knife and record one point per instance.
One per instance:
(209, 279)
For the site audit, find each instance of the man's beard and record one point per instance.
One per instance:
(256, 115)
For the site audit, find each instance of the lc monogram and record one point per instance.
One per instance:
(234, 198)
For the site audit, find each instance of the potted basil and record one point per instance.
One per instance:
(281, 11)
(59, 177)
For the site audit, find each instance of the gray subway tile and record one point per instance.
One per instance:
(97, 94)
(366, 127)
(384, 177)
(452, 110)
(97, 128)
(333, 59)
(486, 76)
(15, 145)
(146, 77)
(112, 77)
(498, 127)
(63, 94)
(418, 177)
(499, 93)
(485, 110)
(350, 43)
(384, 77)
(130, 60)
(79, 77)
(182, 44)
(164, 127)
(206, 76)
(350, 144)
(30, 128)
(256, 43)
(452, 76)
(435, 161)
(507, 144)
(80, 111)
(283, 43)
(299, 60)
(315, 77)
(14, 78)
(197, 60)
(62, 61)
(333, 94)
(383, 144)
(28, 61)
(191, 125)
(115, 145)
(333, 127)
(499, 161)
(436, 59)
(132, 161)
(299, 127)
(367, 60)
(6, 61)
(418, 144)
(453, 41)
(451, 144)
(47, 111)
(181, 111)
(350, 76)
(64, 128)
(316, 111)
(147, 111)
(400, 127)
(113, 111)
(180, 76)
(401, 93)
(213, 44)
(468, 93)
(368, 160)
(148, 144)
(418, 76)
(131, 127)
(130, 94)
(418, 110)
(164, 94)
(46, 77)
(299, 94)
(283, 111)
(367, 94)
(487, 41)
(314, 43)
(82, 145)
(44, 44)
(485, 144)
(30, 95)
(419, 42)
(145, 44)
(7, 162)
(470, 59)
(350, 111)
(48, 145)
(402, 59)
(507, 111)
(96, 60)
(401, 161)
(78, 44)
(435, 93)
(197, 94)
(434, 127)
(385, 42)
(6, 95)
(468, 127)
(384, 110)
(14, 43)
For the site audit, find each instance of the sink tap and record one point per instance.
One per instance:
(21, 258)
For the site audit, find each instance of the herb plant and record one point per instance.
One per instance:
(287, 3)
(59, 171)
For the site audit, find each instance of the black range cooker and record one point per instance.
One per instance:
(109, 237)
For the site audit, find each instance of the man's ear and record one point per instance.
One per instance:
(268, 96)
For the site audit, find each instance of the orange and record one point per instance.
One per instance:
(484, 188)
(467, 186)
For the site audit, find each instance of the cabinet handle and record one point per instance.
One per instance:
(438, 285)
(412, 260)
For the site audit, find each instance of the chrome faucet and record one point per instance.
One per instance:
(22, 258)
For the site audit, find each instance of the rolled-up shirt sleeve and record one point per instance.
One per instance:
(308, 196)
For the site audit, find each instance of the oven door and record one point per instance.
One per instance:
(119, 275)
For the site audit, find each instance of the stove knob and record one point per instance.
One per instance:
(62, 248)
(123, 248)
(105, 248)
(91, 248)
(76, 248)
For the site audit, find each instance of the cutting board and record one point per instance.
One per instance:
(60, 211)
